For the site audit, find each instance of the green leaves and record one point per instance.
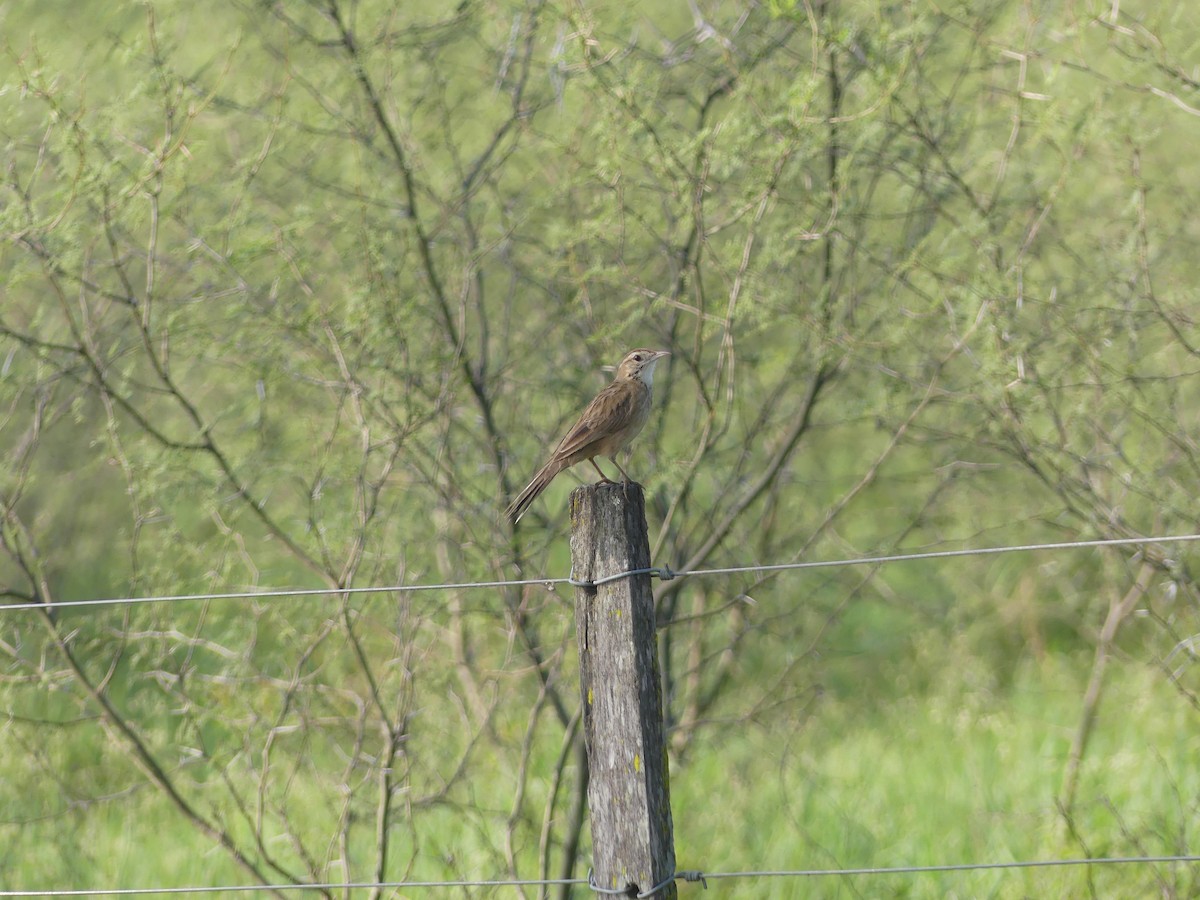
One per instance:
(294, 295)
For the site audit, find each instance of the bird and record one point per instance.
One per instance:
(605, 428)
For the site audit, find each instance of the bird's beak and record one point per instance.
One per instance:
(659, 354)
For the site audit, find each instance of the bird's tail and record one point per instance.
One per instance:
(545, 475)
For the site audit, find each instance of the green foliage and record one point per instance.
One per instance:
(297, 294)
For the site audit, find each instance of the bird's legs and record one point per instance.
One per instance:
(624, 474)
(604, 479)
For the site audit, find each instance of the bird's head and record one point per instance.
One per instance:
(639, 364)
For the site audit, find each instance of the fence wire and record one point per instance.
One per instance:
(692, 875)
(665, 572)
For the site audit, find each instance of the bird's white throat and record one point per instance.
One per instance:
(648, 373)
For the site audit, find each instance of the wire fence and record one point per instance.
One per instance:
(665, 573)
(689, 875)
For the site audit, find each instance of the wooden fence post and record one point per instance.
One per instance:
(629, 796)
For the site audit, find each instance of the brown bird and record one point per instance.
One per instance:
(606, 427)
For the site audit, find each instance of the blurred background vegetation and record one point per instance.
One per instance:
(296, 295)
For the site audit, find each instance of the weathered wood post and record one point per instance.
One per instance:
(629, 796)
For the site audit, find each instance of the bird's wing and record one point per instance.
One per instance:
(611, 407)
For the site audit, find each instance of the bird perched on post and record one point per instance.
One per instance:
(606, 427)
